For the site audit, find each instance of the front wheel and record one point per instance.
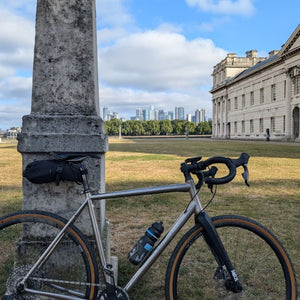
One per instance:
(262, 265)
(70, 270)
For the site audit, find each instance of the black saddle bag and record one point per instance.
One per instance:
(44, 171)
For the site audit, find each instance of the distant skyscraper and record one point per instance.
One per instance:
(171, 115)
(161, 115)
(146, 115)
(114, 115)
(151, 113)
(105, 113)
(199, 116)
(179, 113)
(138, 114)
(156, 114)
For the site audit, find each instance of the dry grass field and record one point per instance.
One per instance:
(273, 198)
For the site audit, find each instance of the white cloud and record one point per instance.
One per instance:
(16, 88)
(228, 7)
(15, 31)
(11, 114)
(15, 97)
(17, 42)
(19, 58)
(5, 71)
(16, 57)
(156, 60)
(108, 35)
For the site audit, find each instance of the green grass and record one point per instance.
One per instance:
(273, 198)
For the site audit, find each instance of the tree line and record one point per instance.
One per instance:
(153, 127)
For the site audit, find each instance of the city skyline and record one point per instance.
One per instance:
(152, 113)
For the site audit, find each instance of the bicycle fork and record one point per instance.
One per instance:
(215, 244)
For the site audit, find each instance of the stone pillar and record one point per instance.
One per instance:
(65, 104)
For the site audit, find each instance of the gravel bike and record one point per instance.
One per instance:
(44, 256)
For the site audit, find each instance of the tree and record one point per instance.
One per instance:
(127, 128)
(112, 126)
(203, 128)
(207, 128)
(179, 127)
(138, 128)
(191, 127)
(152, 127)
(165, 127)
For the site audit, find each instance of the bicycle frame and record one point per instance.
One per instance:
(193, 207)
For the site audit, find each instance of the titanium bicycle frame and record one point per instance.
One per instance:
(194, 207)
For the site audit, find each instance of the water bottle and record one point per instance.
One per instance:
(144, 245)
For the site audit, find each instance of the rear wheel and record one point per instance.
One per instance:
(262, 265)
(70, 270)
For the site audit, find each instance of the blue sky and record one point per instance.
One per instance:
(150, 52)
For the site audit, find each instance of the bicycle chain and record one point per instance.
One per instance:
(67, 282)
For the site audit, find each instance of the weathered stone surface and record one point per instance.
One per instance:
(65, 79)
(41, 133)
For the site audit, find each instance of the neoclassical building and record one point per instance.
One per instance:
(253, 97)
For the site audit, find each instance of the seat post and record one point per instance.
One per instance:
(85, 183)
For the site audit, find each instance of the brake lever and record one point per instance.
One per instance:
(205, 174)
(246, 175)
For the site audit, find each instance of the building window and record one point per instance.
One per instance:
(262, 95)
(283, 125)
(243, 126)
(235, 127)
(243, 101)
(261, 125)
(251, 126)
(272, 124)
(235, 103)
(252, 98)
(229, 105)
(297, 85)
(284, 89)
(273, 92)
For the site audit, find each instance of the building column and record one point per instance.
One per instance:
(288, 108)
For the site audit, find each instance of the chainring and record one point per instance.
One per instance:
(120, 294)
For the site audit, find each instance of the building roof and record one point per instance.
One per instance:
(289, 48)
(255, 67)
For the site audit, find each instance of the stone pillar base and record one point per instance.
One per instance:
(43, 134)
